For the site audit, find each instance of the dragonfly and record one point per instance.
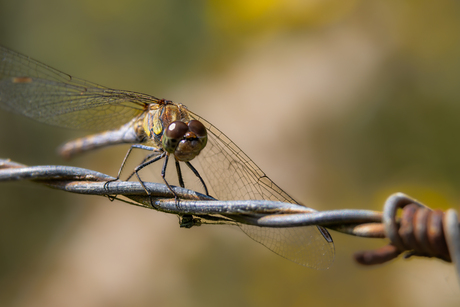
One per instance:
(167, 129)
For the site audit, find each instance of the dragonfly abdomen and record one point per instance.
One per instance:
(125, 134)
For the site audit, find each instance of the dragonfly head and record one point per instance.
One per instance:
(183, 140)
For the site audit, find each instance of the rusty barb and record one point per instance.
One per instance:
(416, 231)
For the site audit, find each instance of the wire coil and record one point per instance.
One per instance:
(419, 231)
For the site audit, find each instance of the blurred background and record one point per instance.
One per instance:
(341, 103)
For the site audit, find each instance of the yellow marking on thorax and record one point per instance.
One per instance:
(157, 124)
(147, 122)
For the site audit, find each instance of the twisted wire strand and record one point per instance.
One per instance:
(419, 231)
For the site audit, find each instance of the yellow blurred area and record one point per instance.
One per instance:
(256, 17)
(341, 103)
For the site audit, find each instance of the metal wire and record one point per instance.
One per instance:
(419, 231)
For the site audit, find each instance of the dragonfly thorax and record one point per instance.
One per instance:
(159, 116)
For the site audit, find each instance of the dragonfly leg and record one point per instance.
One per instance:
(199, 177)
(163, 174)
(179, 175)
(181, 180)
(136, 146)
(155, 154)
(142, 165)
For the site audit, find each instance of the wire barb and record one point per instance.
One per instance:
(419, 231)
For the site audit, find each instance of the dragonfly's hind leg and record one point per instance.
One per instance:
(163, 175)
(136, 146)
(156, 153)
(142, 165)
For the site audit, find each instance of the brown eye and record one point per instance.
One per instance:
(198, 128)
(176, 130)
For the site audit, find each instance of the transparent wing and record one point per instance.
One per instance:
(38, 91)
(231, 175)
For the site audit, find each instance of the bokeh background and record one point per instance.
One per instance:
(340, 102)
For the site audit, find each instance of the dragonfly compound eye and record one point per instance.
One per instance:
(194, 141)
(198, 128)
(173, 134)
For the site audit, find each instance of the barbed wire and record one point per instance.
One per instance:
(419, 231)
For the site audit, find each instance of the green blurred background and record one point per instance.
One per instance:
(340, 102)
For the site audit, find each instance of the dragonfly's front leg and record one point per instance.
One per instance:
(181, 180)
(199, 177)
(163, 174)
(179, 175)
